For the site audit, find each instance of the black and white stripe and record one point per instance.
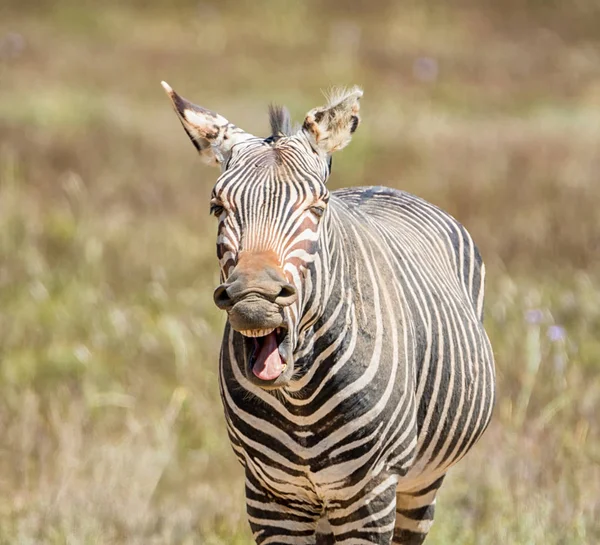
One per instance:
(393, 372)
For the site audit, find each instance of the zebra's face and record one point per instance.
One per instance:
(271, 204)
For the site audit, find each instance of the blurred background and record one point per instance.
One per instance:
(111, 428)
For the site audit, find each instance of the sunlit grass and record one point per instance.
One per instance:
(111, 412)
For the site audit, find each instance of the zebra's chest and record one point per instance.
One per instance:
(346, 419)
(314, 467)
(334, 445)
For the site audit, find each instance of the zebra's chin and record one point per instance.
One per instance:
(268, 356)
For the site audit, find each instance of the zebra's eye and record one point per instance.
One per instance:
(318, 210)
(216, 208)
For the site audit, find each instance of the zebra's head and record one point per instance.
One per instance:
(271, 203)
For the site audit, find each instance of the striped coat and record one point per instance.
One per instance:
(355, 369)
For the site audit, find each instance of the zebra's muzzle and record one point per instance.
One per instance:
(255, 314)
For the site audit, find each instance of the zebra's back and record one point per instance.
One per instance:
(407, 216)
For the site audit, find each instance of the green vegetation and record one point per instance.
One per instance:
(110, 420)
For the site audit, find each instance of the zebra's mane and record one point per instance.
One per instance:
(280, 121)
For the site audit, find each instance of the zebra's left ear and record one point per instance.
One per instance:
(330, 127)
(212, 135)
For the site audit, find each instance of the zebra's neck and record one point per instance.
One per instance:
(328, 323)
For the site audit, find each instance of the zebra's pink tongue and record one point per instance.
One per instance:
(268, 364)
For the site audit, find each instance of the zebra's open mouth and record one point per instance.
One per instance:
(268, 352)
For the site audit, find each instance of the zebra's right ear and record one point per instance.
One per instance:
(330, 127)
(212, 135)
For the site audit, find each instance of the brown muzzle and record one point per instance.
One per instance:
(256, 292)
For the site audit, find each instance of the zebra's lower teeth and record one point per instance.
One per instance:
(257, 332)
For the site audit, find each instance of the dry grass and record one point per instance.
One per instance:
(110, 419)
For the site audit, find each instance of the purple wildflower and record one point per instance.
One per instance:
(426, 69)
(557, 333)
(11, 45)
(534, 316)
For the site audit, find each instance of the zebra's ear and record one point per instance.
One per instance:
(330, 127)
(212, 135)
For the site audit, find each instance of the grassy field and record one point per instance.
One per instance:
(111, 428)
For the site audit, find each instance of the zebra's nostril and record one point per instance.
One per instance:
(287, 295)
(221, 297)
(287, 290)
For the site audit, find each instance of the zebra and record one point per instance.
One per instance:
(354, 369)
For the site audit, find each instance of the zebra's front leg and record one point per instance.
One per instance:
(278, 521)
(414, 514)
(367, 518)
